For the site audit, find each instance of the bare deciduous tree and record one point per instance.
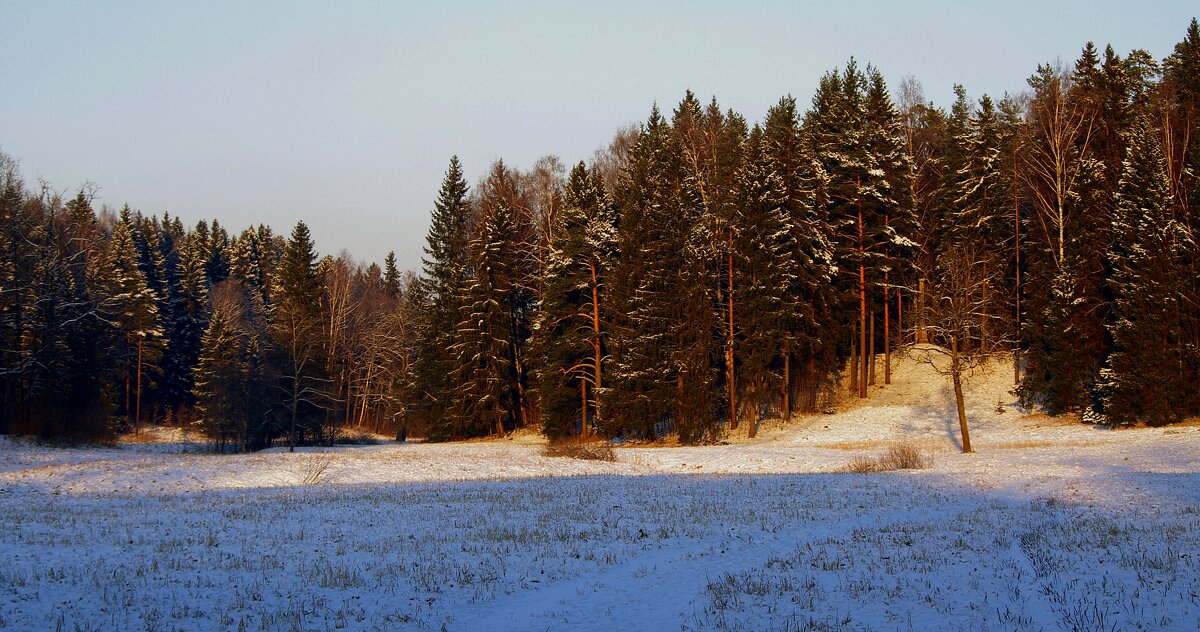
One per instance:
(1057, 158)
(954, 315)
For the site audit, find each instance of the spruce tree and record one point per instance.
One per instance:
(497, 303)
(711, 145)
(248, 264)
(300, 340)
(391, 276)
(643, 383)
(893, 202)
(232, 374)
(1181, 78)
(71, 342)
(189, 320)
(217, 266)
(443, 279)
(1147, 377)
(134, 307)
(808, 349)
(219, 377)
(981, 212)
(663, 342)
(487, 366)
(764, 243)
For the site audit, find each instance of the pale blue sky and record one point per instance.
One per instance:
(345, 114)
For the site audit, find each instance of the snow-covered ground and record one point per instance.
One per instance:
(1051, 524)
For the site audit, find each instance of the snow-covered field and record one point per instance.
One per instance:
(1051, 524)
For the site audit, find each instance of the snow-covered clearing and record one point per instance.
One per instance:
(1052, 524)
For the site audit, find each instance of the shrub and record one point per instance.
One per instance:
(589, 450)
(902, 456)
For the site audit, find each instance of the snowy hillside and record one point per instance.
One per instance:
(1051, 524)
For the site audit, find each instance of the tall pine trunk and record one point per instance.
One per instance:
(138, 406)
(922, 336)
(596, 333)
(854, 357)
(730, 375)
(583, 427)
(1017, 247)
(887, 335)
(862, 300)
(871, 344)
(753, 431)
(787, 386)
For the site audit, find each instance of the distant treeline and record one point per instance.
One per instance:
(700, 273)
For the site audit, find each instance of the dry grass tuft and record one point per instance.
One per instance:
(903, 456)
(314, 469)
(586, 449)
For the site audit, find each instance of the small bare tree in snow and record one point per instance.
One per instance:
(955, 316)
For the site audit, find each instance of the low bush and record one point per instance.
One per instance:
(586, 449)
(903, 456)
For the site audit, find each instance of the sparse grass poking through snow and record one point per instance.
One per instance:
(586, 449)
(903, 456)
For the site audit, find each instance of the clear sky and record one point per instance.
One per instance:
(345, 114)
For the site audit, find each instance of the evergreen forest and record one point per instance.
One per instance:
(700, 273)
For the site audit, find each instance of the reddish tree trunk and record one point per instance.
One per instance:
(1017, 246)
(138, 406)
(787, 386)
(583, 428)
(854, 357)
(871, 346)
(862, 300)
(729, 359)
(887, 335)
(596, 348)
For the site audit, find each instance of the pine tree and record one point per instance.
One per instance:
(571, 327)
(893, 201)
(857, 142)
